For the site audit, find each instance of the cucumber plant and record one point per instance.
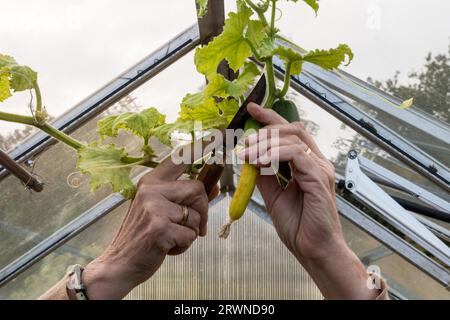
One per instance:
(249, 33)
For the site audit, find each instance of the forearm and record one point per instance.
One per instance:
(341, 275)
(102, 282)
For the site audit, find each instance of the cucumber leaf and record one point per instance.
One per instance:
(231, 45)
(327, 59)
(104, 166)
(21, 78)
(220, 87)
(330, 59)
(223, 88)
(258, 35)
(139, 123)
(290, 56)
(5, 88)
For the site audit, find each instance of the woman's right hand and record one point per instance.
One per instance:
(305, 214)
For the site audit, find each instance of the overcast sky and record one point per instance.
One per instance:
(78, 46)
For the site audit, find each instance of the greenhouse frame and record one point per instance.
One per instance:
(397, 220)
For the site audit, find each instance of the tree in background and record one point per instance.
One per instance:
(430, 87)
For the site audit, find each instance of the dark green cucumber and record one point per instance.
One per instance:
(288, 110)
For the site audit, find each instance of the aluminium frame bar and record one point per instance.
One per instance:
(375, 198)
(115, 90)
(403, 184)
(381, 234)
(434, 128)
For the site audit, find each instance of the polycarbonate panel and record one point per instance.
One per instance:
(251, 264)
(28, 218)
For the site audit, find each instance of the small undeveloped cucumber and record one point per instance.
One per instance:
(288, 110)
(245, 188)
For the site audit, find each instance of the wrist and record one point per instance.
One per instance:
(340, 274)
(106, 281)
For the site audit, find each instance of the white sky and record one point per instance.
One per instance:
(78, 46)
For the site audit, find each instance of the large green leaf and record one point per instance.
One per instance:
(330, 59)
(290, 56)
(230, 45)
(103, 163)
(139, 123)
(327, 59)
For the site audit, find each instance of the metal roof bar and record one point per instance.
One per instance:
(394, 242)
(361, 91)
(118, 88)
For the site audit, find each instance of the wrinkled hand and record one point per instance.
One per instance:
(150, 231)
(305, 214)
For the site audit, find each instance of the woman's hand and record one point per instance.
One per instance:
(305, 214)
(151, 230)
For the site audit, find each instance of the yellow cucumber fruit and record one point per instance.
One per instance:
(245, 188)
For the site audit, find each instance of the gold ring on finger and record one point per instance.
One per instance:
(185, 215)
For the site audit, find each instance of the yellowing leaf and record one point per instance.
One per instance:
(21, 77)
(230, 45)
(139, 123)
(5, 89)
(407, 104)
(330, 59)
(104, 166)
(223, 88)
(220, 87)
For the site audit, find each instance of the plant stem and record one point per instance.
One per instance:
(147, 162)
(37, 91)
(254, 51)
(272, 20)
(16, 118)
(270, 75)
(287, 81)
(258, 11)
(52, 131)
(61, 136)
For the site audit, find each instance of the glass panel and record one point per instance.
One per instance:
(400, 274)
(26, 219)
(77, 47)
(80, 250)
(335, 140)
